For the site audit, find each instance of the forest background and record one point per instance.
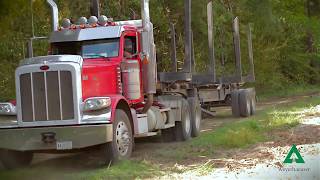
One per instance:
(286, 35)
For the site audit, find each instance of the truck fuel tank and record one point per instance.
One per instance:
(130, 70)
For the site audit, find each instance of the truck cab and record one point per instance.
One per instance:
(96, 88)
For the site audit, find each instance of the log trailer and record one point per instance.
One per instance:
(99, 86)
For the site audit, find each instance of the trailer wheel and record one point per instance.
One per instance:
(183, 128)
(196, 117)
(121, 146)
(253, 103)
(235, 105)
(15, 159)
(245, 103)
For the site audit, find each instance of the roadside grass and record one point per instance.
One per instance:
(287, 91)
(251, 130)
(243, 133)
(122, 170)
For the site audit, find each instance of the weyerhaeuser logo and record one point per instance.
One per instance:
(294, 157)
(294, 152)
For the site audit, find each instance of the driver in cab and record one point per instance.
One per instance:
(128, 48)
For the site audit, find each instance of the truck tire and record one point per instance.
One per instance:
(15, 159)
(121, 146)
(183, 127)
(235, 105)
(253, 103)
(245, 103)
(195, 112)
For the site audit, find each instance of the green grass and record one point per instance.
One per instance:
(242, 133)
(123, 170)
(287, 91)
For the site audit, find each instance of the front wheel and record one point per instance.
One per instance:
(122, 144)
(15, 159)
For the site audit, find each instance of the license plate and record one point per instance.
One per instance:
(65, 145)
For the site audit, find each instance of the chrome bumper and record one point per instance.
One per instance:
(32, 139)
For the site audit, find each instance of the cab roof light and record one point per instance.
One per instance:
(66, 23)
(93, 20)
(102, 20)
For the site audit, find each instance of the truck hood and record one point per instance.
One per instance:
(100, 78)
(52, 59)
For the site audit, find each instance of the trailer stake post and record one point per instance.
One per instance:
(237, 48)
(187, 31)
(212, 68)
(173, 48)
(250, 49)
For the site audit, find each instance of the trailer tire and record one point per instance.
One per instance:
(235, 105)
(122, 145)
(183, 127)
(195, 112)
(253, 102)
(245, 103)
(15, 159)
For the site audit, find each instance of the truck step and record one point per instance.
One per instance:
(167, 126)
(145, 134)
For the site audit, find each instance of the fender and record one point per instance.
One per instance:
(119, 100)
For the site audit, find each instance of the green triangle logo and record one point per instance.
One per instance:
(289, 159)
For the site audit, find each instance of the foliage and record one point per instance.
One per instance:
(286, 35)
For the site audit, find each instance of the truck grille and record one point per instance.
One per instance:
(46, 96)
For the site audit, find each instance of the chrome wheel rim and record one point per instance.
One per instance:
(122, 138)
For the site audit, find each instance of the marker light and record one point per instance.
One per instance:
(103, 20)
(93, 20)
(66, 23)
(82, 21)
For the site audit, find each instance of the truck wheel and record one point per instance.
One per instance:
(121, 146)
(15, 159)
(195, 110)
(245, 103)
(235, 103)
(183, 127)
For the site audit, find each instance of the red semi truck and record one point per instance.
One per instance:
(99, 87)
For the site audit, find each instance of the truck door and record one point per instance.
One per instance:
(131, 69)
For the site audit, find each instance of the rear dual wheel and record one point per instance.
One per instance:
(195, 110)
(183, 129)
(243, 102)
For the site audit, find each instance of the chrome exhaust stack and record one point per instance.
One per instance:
(149, 55)
(55, 14)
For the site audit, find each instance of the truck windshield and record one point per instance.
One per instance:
(102, 48)
(88, 49)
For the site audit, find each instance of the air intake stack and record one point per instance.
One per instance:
(54, 14)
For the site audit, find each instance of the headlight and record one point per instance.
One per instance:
(94, 104)
(7, 109)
